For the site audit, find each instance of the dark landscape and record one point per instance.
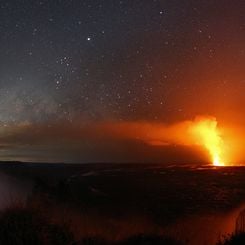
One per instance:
(112, 202)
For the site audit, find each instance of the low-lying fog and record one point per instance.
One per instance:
(13, 191)
(205, 229)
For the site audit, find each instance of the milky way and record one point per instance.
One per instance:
(81, 62)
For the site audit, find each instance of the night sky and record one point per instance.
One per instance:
(68, 65)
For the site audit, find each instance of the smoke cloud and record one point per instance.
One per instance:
(80, 141)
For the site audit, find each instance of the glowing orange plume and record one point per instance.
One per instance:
(207, 134)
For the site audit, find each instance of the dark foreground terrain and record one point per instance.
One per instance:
(115, 203)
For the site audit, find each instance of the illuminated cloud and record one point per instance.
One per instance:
(107, 138)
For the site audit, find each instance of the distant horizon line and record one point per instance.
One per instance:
(119, 163)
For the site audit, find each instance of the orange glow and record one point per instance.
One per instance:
(206, 132)
(203, 132)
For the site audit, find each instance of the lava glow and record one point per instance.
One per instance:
(207, 134)
(203, 132)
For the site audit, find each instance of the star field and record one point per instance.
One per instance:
(152, 60)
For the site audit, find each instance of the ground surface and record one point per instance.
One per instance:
(163, 194)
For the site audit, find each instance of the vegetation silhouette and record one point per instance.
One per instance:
(21, 226)
(233, 239)
(238, 237)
